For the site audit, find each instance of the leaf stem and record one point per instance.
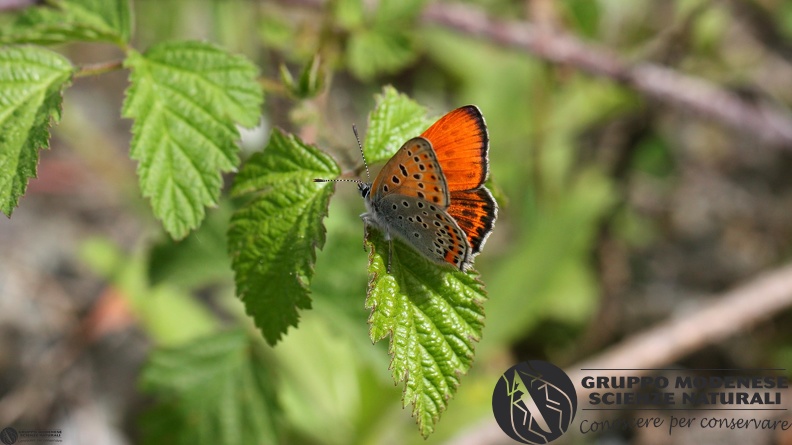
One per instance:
(272, 86)
(98, 68)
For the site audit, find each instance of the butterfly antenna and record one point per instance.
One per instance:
(360, 146)
(336, 180)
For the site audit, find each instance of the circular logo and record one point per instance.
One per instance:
(9, 436)
(534, 402)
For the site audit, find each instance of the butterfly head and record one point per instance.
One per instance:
(364, 188)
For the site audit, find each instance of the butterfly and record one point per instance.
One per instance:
(431, 193)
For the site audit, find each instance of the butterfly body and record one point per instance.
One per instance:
(431, 193)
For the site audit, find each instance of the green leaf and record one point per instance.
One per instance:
(396, 118)
(386, 45)
(197, 261)
(70, 20)
(214, 390)
(276, 31)
(434, 316)
(348, 14)
(273, 238)
(31, 87)
(398, 12)
(185, 98)
(381, 50)
(584, 14)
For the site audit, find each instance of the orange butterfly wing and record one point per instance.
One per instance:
(460, 142)
(413, 171)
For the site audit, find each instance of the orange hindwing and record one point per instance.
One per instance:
(475, 212)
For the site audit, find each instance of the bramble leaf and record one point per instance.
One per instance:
(70, 20)
(434, 315)
(214, 390)
(31, 86)
(185, 98)
(396, 119)
(273, 237)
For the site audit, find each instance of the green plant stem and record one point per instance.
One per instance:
(272, 86)
(99, 68)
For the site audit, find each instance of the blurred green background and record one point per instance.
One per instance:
(616, 212)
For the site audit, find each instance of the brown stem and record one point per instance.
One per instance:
(769, 124)
(99, 68)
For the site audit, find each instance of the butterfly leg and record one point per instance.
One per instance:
(365, 218)
(389, 239)
(390, 254)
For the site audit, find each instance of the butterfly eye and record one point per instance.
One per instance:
(364, 189)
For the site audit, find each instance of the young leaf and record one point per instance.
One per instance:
(185, 98)
(273, 238)
(214, 390)
(396, 118)
(69, 20)
(311, 81)
(434, 316)
(31, 84)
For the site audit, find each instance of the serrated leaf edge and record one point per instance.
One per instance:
(425, 430)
